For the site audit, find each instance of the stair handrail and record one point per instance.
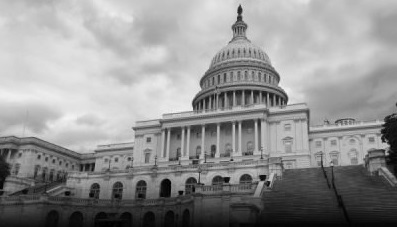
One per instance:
(339, 199)
(324, 172)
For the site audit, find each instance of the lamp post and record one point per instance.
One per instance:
(205, 156)
(261, 152)
(332, 174)
(155, 160)
(231, 156)
(199, 170)
(321, 156)
(179, 159)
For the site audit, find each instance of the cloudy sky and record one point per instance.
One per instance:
(80, 72)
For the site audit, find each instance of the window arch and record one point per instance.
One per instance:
(190, 185)
(141, 190)
(250, 148)
(95, 190)
(169, 219)
(198, 151)
(288, 141)
(353, 156)
(36, 171)
(117, 190)
(76, 219)
(246, 179)
(149, 220)
(334, 155)
(52, 219)
(126, 219)
(217, 180)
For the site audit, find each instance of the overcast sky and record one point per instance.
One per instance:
(81, 72)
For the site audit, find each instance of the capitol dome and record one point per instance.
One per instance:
(240, 74)
(238, 50)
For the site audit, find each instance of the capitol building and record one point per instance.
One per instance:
(209, 166)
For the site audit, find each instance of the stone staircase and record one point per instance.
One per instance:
(40, 188)
(369, 200)
(302, 197)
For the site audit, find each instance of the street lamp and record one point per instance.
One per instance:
(179, 159)
(261, 152)
(199, 170)
(321, 156)
(155, 160)
(332, 173)
(132, 162)
(205, 156)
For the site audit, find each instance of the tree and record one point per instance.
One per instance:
(389, 136)
(4, 171)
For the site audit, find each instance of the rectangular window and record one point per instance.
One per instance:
(287, 127)
(318, 143)
(147, 157)
(333, 142)
(148, 139)
(371, 139)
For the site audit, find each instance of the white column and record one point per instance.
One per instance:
(168, 143)
(162, 142)
(188, 142)
(234, 98)
(263, 134)
(274, 100)
(217, 101)
(225, 103)
(239, 137)
(218, 132)
(9, 155)
(202, 141)
(267, 99)
(243, 98)
(183, 142)
(260, 97)
(234, 136)
(210, 102)
(256, 135)
(252, 97)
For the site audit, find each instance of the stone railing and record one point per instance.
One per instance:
(388, 176)
(9, 200)
(355, 124)
(142, 169)
(228, 188)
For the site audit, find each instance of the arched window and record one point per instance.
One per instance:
(165, 188)
(94, 191)
(76, 220)
(287, 144)
(198, 151)
(245, 179)
(217, 180)
(190, 185)
(44, 174)
(140, 190)
(250, 148)
(353, 155)
(36, 171)
(334, 155)
(169, 219)
(149, 220)
(52, 175)
(117, 190)
(100, 219)
(228, 149)
(52, 219)
(126, 219)
(186, 218)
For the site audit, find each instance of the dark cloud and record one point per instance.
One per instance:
(89, 120)
(35, 116)
(366, 98)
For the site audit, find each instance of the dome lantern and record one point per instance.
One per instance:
(240, 26)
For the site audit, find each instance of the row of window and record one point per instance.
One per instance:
(54, 161)
(149, 219)
(351, 142)
(116, 159)
(165, 187)
(334, 156)
(236, 53)
(230, 77)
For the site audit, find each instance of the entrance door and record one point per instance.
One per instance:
(165, 189)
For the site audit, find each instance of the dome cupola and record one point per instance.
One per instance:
(240, 74)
